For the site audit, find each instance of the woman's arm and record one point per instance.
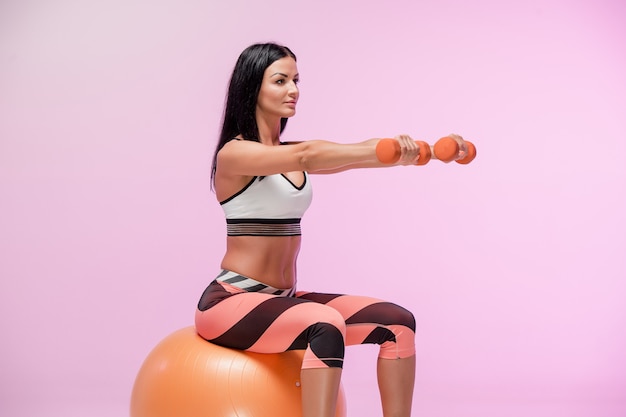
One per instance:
(242, 157)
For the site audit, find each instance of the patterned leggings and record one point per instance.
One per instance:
(239, 312)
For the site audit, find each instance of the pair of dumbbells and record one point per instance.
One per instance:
(446, 149)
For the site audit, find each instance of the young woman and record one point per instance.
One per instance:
(264, 188)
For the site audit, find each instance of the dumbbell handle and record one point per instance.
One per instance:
(446, 149)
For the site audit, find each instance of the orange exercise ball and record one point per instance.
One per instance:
(186, 376)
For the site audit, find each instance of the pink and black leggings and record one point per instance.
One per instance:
(239, 312)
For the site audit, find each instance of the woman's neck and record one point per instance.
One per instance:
(269, 130)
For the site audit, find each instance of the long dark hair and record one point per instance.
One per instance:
(245, 82)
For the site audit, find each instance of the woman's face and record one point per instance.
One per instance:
(279, 89)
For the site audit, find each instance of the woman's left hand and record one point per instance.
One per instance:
(462, 145)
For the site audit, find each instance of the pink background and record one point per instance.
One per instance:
(514, 265)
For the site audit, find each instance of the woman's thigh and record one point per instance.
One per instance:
(367, 319)
(262, 322)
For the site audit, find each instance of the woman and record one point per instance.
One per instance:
(264, 189)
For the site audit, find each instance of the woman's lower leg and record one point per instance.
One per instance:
(320, 388)
(396, 381)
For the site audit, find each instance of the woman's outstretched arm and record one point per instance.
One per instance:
(242, 157)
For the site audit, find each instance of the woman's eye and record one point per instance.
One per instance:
(281, 82)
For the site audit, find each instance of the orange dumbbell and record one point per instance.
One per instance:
(447, 150)
(388, 151)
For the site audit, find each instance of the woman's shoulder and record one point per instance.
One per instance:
(238, 142)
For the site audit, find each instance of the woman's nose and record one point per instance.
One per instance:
(293, 88)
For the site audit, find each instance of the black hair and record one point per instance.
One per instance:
(243, 90)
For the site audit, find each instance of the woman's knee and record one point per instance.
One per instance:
(402, 326)
(324, 339)
(402, 316)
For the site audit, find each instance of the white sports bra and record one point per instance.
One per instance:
(267, 206)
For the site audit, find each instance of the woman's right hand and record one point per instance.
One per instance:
(409, 150)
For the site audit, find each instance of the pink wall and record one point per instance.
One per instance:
(514, 265)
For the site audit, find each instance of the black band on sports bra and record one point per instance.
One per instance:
(263, 227)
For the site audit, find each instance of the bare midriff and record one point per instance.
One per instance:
(267, 259)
